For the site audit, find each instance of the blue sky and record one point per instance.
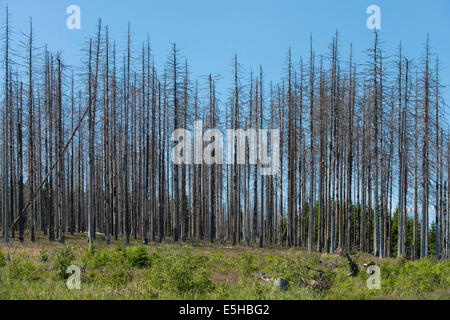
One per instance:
(209, 33)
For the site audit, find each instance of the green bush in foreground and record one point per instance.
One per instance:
(425, 275)
(21, 268)
(247, 264)
(63, 259)
(110, 276)
(287, 266)
(138, 257)
(93, 258)
(108, 267)
(181, 272)
(43, 255)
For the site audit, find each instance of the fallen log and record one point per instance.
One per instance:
(263, 276)
(318, 281)
(327, 264)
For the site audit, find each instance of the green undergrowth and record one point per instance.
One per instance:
(192, 272)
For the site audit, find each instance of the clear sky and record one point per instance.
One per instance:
(210, 32)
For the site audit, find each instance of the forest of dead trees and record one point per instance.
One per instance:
(364, 150)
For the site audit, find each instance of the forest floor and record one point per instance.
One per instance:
(202, 271)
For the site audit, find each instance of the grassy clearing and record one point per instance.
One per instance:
(200, 271)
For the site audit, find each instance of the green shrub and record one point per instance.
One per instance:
(43, 255)
(182, 272)
(116, 277)
(138, 257)
(425, 275)
(110, 276)
(63, 259)
(95, 259)
(21, 268)
(246, 264)
(107, 267)
(287, 266)
(217, 257)
(2, 260)
(118, 256)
